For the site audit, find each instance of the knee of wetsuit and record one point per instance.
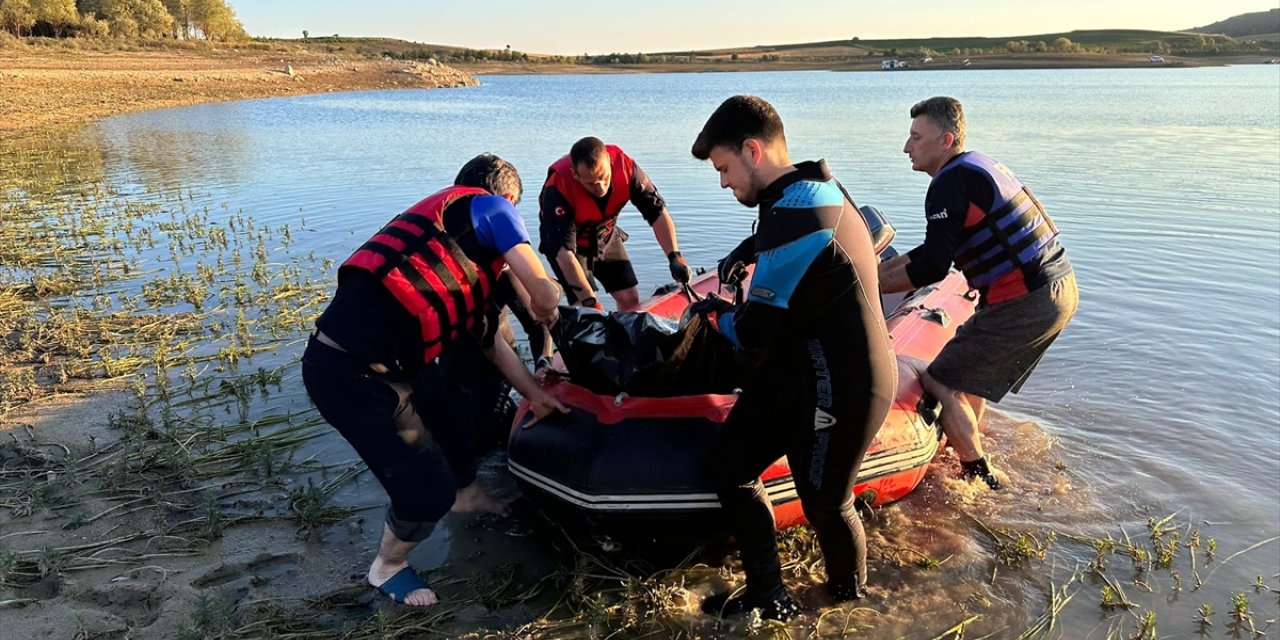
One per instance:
(821, 515)
(408, 530)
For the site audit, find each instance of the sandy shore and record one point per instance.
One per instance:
(44, 87)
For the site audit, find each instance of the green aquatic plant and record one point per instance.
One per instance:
(1146, 627)
(1204, 616)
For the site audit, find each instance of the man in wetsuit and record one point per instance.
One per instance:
(578, 214)
(829, 375)
(382, 368)
(982, 218)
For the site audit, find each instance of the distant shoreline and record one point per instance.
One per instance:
(48, 87)
(997, 61)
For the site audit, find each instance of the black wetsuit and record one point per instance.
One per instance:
(826, 383)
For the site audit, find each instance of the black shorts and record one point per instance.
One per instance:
(612, 271)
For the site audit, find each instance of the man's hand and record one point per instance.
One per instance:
(679, 268)
(543, 404)
(732, 269)
(731, 273)
(592, 303)
(547, 319)
(542, 369)
(710, 305)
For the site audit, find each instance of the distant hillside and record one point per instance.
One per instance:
(1091, 41)
(1245, 24)
(1083, 45)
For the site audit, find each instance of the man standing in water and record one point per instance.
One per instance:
(421, 288)
(980, 216)
(829, 374)
(578, 215)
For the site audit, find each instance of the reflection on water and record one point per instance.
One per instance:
(1161, 398)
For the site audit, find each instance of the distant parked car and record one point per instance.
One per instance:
(1157, 59)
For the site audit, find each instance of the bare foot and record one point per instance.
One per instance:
(380, 572)
(473, 497)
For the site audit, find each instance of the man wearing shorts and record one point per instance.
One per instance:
(982, 218)
(578, 213)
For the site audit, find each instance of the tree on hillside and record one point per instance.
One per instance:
(1065, 45)
(181, 12)
(58, 14)
(134, 18)
(16, 16)
(90, 7)
(217, 20)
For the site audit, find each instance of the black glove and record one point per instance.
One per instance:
(679, 268)
(732, 268)
(711, 305)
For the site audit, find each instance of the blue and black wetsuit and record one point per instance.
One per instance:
(826, 383)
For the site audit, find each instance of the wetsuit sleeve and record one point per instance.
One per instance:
(767, 311)
(645, 196)
(556, 229)
(497, 223)
(945, 207)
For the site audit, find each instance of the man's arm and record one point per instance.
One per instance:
(543, 294)
(575, 277)
(559, 238)
(664, 229)
(946, 207)
(539, 337)
(893, 274)
(646, 198)
(767, 311)
(506, 360)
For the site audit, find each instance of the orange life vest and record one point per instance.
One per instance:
(426, 269)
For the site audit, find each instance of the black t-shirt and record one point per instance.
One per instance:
(362, 303)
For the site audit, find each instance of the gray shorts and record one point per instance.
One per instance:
(998, 348)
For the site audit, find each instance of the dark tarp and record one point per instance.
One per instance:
(645, 355)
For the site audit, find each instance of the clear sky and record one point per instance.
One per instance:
(605, 26)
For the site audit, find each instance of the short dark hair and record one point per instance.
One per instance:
(587, 151)
(945, 113)
(737, 119)
(493, 174)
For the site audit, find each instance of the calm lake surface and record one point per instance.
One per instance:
(1163, 396)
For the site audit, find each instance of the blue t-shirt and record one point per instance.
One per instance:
(497, 223)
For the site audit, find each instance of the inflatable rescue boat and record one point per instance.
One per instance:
(636, 466)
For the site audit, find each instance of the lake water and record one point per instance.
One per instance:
(1163, 396)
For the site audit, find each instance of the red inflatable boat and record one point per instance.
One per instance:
(629, 465)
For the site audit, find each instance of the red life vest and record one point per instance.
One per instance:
(428, 272)
(595, 226)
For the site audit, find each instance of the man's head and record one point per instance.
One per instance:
(745, 143)
(493, 174)
(591, 165)
(937, 133)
